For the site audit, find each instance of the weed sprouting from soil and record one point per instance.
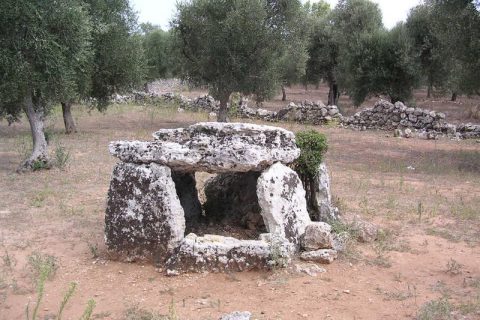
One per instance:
(436, 310)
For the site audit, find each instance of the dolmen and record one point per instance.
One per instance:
(153, 198)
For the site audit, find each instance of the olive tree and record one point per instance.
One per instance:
(234, 46)
(117, 62)
(43, 47)
(428, 49)
(383, 65)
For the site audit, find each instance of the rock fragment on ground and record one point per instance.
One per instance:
(237, 315)
(318, 235)
(325, 256)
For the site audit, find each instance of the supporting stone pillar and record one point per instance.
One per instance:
(144, 217)
(186, 187)
(282, 201)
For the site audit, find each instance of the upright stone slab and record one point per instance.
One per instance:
(144, 217)
(282, 201)
(186, 187)
(323, 196)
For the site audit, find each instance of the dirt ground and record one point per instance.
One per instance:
(424, 194)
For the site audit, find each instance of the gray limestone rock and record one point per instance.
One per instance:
(219, 254)
(186, 188)
(213, 147)
(282, 201)
(237, 315)
(144, 217)
(318, 235)
(325, 256)
(323, 196)
(366, 231)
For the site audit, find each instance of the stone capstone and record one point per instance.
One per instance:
(144, 216)
(212, 147)
(219, 254)
(282, 201)
(318, 235)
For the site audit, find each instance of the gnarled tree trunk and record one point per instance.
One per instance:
(333, 93)
(39, 157)
(70, 126)
(454, 96)
(429, 91)
(223, 111)
(284, 94)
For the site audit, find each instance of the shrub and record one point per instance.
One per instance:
(313, 145)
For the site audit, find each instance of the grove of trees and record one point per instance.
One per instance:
(69, 51)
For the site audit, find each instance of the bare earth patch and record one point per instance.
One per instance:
(424, 194)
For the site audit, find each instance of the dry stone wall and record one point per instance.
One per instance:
(307, 112)
(404, 121)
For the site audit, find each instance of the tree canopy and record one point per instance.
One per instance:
(234, 46)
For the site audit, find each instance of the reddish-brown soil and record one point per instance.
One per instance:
(424, 194)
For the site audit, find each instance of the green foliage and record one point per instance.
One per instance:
(427, 47)
(313, 145)
(135, 313)
(234, 46)
(456, 24)
(42, 264)
(62, 157)
(44, 48)
(68, 295)
(382, 65)
(118, 62)
(159, 55)
(87, 313)
(436, 310)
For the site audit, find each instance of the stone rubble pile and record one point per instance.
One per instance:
(153, 197)
(387, 116)
(202, 103)
(469, 131)
(307, 112)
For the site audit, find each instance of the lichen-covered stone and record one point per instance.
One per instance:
(282, 201)
(219, 254)
(322, 200)
(237, 315)
(213, 147)
(185, 185)
(144, 216)
(318, 235)
(325, 256)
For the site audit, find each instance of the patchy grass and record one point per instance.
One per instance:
(436, 310)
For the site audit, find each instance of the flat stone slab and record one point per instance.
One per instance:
(212, 147)
(325, 256)
(219, 254)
